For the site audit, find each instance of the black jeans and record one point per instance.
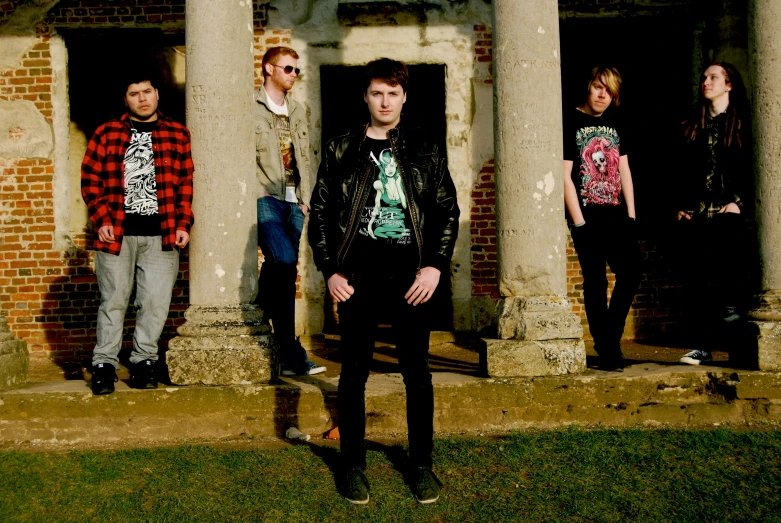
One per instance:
(608, 236)
(712, 262)
(358, 319)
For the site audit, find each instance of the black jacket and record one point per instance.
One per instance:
(343, 186)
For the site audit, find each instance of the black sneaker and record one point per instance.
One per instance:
(697, 357)
(355, 487)
(144, 375)
(612, 363)
(103, 377)
(425, 485)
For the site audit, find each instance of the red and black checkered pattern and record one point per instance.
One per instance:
(102, 180)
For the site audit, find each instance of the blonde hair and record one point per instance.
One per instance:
(610, 78)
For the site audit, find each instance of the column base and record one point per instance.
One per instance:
(14, 358)
(515, 358)
(537, 336)
(763, 349)
(223, 346)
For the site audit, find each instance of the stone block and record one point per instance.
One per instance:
(222, 346)
(24, 132)
(537, 318)
(13, 358)
(768, 344)
(511, 358)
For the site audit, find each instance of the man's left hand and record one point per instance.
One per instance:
(182, 238)
(425, 284)
(730, 207)
(304, 208)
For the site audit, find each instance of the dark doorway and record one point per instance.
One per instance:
(655, 96)
(96, 63)
(341, 91)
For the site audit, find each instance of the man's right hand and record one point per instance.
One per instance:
(338, 287)
(106, 234)
(682, 215)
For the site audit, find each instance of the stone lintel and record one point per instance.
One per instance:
(222, 346)
(537, 318)
(514, 358)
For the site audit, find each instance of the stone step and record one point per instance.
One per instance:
(66, 414)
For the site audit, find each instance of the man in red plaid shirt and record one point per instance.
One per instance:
(137, 182)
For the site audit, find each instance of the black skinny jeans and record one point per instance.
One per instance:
(358, 319)
(713, 263)
(608, 237)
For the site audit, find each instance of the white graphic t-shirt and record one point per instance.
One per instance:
(141, 217)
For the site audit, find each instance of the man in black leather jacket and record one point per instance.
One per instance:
(383, 225)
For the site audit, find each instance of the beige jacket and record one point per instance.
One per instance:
(268, 158)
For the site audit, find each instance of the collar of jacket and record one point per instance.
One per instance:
(125, 119)
(395, 135)
(262, 98)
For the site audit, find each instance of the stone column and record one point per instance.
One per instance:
(13, 358)
(225, 339)
(537, 332)
(765, 56)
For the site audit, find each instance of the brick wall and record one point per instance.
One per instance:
(482, 226)
(51, 296)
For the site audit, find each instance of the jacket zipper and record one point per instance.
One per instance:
(411, 206)
(341, 252)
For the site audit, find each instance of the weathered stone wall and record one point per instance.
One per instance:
(48, 286)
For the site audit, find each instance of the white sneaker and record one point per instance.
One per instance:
(311, 370)
(696, 357)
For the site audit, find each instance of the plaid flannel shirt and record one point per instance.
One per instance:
(103, 180)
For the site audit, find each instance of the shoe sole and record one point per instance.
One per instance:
(357, 501)
(426, 501)
(692, 361)
(313, 373)
(103, 392)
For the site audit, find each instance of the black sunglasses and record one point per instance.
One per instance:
(288, 69)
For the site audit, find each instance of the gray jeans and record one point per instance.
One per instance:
(154, 270)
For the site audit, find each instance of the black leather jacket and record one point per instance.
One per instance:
(343, 186)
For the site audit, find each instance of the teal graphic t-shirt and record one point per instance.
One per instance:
(385, 229)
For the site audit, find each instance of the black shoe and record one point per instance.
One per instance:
(355, 487)
(425, 485)
(729, 314)
(144, 375)
(103, 377)
(612, 363)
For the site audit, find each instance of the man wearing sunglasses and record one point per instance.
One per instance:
(282, 167)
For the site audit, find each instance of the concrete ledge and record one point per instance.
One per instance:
(646, 395)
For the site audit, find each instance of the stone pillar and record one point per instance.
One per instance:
(765, 56)
(13, 358)
(225, 339)
(537, 332)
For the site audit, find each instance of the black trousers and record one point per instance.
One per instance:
(712, 261)
(374, 295)
(608, 236)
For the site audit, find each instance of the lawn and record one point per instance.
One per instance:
(566, 475)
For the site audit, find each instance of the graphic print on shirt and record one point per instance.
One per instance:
(286, 148)
(140, 184)
(600, 182)
(384, 217)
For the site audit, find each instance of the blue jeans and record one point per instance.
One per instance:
(279, 234)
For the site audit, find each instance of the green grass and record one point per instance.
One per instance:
(570, 475)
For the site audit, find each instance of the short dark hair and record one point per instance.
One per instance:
(272, 53)
(385, 70)
(139, 75)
